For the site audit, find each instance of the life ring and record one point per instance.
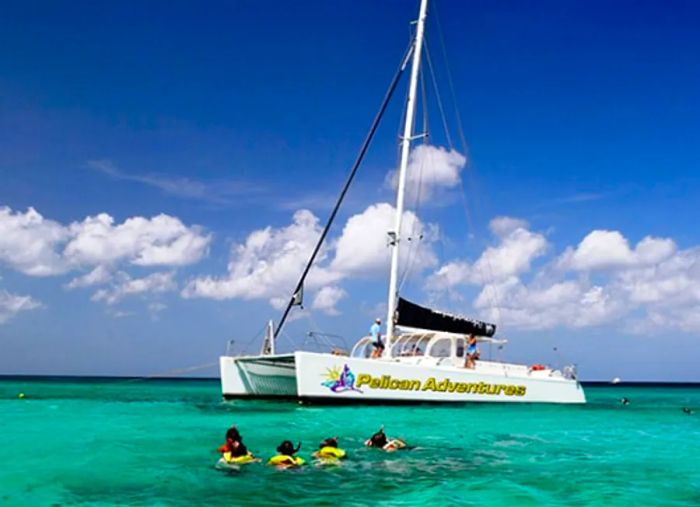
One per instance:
(330, 452)
(537, 367)
(239, 460)
(284, 460)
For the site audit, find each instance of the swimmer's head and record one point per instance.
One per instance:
(287, 448)
(233, 434)
(329, 442)
(379, 438)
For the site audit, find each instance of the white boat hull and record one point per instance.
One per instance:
(272, 376)
(338, 379)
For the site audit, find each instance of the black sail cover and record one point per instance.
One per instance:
(413, 315)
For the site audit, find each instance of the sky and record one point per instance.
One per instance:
(165, 171)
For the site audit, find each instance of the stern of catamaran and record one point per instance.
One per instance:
(268, 376)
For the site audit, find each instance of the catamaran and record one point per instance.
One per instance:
(424, 359)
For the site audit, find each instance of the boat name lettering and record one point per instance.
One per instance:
(387, 382)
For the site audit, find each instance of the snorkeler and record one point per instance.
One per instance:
(328, 449)
(285, 457)
(234, 444)
(380, 441)
(234, 451)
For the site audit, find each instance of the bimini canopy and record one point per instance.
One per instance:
(413, 315)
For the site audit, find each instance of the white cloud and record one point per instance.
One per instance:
(159, 241)
(28, 242)
(651, 286)
(569, 303)
(516, 249)
(97, 276)
(603, 249)
(673, 281)
(12, 304)
(362, 247)
(503, 226)
(430, 169)
(327, 298)
(268, 263)
(155, 308)
(37, 246)
(218, 192)
(127, 286)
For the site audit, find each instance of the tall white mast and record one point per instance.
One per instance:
(395, 235)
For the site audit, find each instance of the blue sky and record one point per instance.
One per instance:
(227, 119)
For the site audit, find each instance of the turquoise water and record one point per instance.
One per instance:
(154, 443)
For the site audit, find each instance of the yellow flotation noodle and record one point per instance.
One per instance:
(238, 460)
(331, 452)
(283, 459)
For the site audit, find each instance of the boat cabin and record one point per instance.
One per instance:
(432, 346)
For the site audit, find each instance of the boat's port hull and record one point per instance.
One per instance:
(326, 378)
(258, 377)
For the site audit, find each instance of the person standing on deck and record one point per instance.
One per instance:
(472, 352)
(376, 333)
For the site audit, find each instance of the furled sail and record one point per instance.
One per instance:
(413, 315)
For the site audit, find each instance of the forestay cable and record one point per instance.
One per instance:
(351, 176)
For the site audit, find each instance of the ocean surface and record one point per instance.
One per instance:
(116, 442)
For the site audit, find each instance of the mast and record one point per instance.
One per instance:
(395, 234)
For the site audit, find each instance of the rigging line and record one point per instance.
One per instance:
(412, 254)
(424, 96)
(413, 251)
(319, 331)
(254, 338)
(458, 117)
(438, 98)
(351, 176)
(169, 373)
(460, 130)
(419, 190)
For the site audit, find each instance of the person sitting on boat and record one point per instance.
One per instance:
(381, 441)
(376, 333)
(472, 352)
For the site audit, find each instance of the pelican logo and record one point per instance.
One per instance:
(340, 381)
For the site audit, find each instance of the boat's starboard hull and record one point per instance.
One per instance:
(324, 377)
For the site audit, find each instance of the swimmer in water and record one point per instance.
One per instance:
(380, 441)
(686, 410)
(234, 443)
(328, 449)
(624, 401)
(329, 442)
(287, 448)
(285, 457)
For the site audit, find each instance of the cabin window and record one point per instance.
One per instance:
(461, 345)
(441, 348)
(400, 347)
(421, 345)
(363, 349)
